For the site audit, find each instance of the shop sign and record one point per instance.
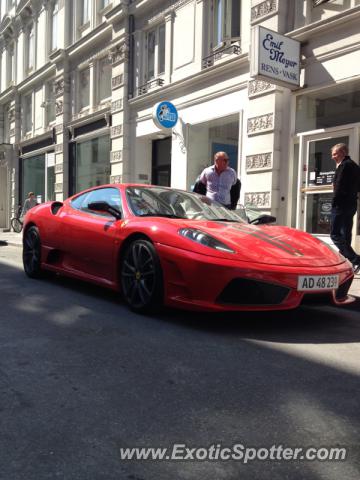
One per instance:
(274, 58)
(321, 178)
(165, 115)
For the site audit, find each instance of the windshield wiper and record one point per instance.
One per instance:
(222, 220)
(165, 215)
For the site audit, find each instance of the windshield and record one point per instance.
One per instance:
(166, 202)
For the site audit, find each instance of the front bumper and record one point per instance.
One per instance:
(197, 282)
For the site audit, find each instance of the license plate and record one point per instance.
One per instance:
(318, 282)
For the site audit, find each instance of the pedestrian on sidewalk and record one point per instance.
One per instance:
(30, 202)
(219, 182)
(344, 204)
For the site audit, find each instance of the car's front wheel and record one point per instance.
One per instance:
(32, 253)
(141, 276)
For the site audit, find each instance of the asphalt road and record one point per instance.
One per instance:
(82, 377)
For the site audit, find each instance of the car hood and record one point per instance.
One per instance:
(268, 244)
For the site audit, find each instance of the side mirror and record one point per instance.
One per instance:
(263, 219)
(105, 207)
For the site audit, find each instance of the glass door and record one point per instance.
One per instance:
(316, 173)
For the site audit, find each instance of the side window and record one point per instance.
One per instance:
(78, 201)
(109, 195)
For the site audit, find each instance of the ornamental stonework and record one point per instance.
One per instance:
(116, 179)
(59, 87)
(260, 124)
(11, 114)
(261, 161)
(59, 128)
(59, 148)
(59, 107)
(116, 131)
(264, 8)
(116, 105)
(257, 87)
(12, 132)
(258, 199)
(58, 187)
(59, 168)
(117, 81)
(116, 156)
(120, 52)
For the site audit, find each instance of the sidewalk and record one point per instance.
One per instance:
(11, 238)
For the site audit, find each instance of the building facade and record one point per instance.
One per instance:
(80, 80)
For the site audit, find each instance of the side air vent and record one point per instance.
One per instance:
(55, 207)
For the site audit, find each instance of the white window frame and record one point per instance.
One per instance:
(27, 115)
(10, 65)
(158, 73)
(79, 107)
(98, 81)
(30, 49)
(221, 26)
(85, 12)
(49, 102)
(54, 25)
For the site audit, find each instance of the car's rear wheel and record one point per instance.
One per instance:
(141, 276)
(32, 253)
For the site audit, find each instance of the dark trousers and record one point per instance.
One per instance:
(341, 227)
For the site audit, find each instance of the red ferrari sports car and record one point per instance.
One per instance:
(160, 245)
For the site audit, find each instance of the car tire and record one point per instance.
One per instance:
(141, 277)
(32, 253)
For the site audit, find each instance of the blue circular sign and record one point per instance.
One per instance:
(165, 115)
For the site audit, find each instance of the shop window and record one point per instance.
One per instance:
(225, 21)
(328, 108)
(54, 25)
(155, 47)
(33, 177)
(84, 89)
(92, 163)
(38, 176)
(104, 78)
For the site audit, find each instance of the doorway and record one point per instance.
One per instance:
(161, 162)
(316, 173)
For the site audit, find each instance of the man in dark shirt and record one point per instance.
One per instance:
(344, 203)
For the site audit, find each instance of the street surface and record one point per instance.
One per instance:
(81, 377)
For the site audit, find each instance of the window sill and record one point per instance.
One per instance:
(106, 9)
(84, 26)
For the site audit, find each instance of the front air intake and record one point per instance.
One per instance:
(245, 291)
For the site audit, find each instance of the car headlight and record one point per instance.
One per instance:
(205, 239)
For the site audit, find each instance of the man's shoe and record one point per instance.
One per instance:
(356, 264)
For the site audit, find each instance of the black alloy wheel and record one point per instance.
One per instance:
(141, 277)
(16, 225)
(32, 253)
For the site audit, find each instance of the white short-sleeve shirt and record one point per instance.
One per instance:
(218, 186)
